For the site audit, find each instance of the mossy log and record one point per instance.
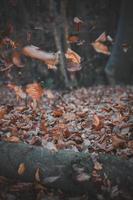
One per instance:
(68, 171)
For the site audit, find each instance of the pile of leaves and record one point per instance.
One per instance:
(97, 119)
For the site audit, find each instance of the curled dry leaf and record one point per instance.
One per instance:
(21, 169)
(51, 59)
(100, 48)
(73, 56)
(97, 123)
(118, 142)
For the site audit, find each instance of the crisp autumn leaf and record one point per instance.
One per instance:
(73, 56)
(35, 91)
(20, 94)
(100, 48)
(51, 59)
(21, 169)
(117, 142)
(3, 111)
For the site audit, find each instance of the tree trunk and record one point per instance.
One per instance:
(68, 171)
(119, 68)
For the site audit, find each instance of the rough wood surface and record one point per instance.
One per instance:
(71, 172)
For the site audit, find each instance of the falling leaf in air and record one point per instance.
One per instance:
(78, 23)
(73, 56)
(20, 94)
(102, 38)
(99, 44)
(51, 59)
(100, 48)
(21, 169)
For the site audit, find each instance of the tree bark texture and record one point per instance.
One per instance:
(68, 171)
(120, 64)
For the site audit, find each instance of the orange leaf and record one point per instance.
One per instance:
(21, 169)
(35, 91)
(102, 38)
(73, 56)
(57, 113)
(100, 48)
(96, 122)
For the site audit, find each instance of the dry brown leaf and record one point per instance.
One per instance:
(13, 138)
(51, 59)
(57, 113)
(21, 169)
(118, 142)
(35, 91)
(100, 48)
(97, 122)
(73, 56)
(98, 166)
(3, 111)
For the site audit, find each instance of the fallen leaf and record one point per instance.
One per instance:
(98, 166)
(117, 142)
(21, 169)
(13, 138)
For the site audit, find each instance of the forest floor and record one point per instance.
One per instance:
(96, 119)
